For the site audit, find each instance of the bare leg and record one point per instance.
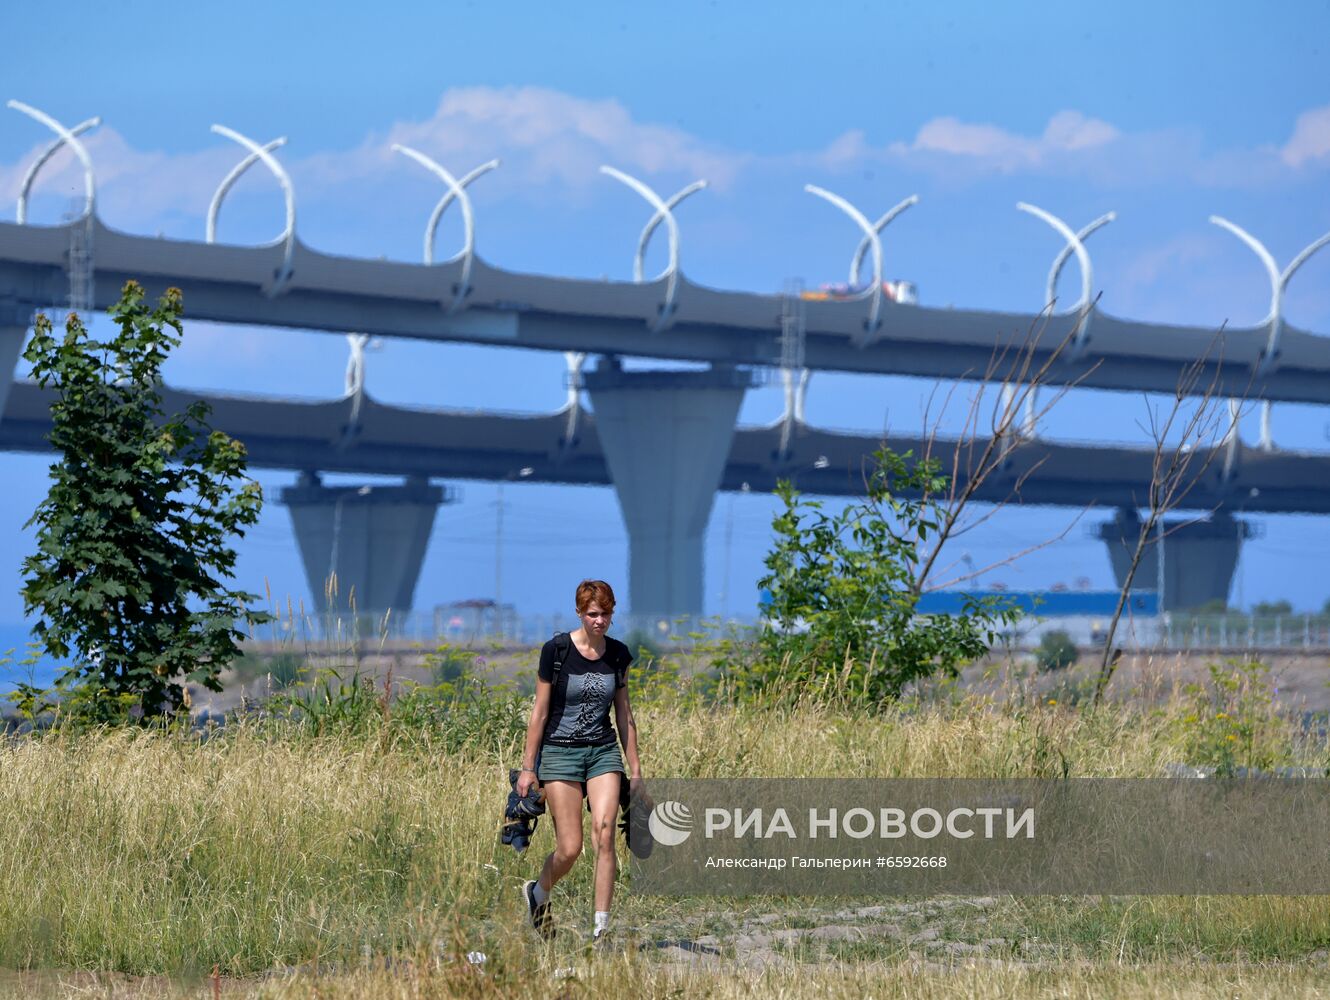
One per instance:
(564, 799)
(603, 794)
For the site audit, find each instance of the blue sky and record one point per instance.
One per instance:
(1165, 113)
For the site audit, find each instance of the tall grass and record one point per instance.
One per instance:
(542, 978)
(279, 843)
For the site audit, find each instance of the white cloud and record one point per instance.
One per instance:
(1310, 140)
(848, 150)
(1075, 144)
(1163, 262)
(995, 148)
(543, 136)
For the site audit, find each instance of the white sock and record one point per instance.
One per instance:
(539, 893)
(602, 923)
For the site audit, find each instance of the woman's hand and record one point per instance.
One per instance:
(635, 786)
(524, 782)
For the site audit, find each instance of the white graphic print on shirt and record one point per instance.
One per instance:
(591, 705)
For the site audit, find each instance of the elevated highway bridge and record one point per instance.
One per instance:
(665, 440)
(384, 531)
(411, 442)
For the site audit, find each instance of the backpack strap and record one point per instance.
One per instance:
(621, 667)
(563, 643)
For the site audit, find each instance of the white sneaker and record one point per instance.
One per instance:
(539, 913)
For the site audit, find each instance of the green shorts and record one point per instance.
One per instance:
(578, 763)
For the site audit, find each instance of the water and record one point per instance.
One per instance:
(14, 639)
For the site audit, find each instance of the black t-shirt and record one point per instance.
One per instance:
(581, 699)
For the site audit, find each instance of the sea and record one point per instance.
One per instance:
(14, 648)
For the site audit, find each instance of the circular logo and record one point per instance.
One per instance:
(670, 823)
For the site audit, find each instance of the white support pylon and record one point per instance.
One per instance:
(25, 188)
(69, 137)
(664, 212)
(355, 385)
(1081, 331)
(573, 407)
(873, 294)
(1030, 427)
(1275, 320)
(857, 261)
(1278, 285)
(288, 237)
(456, 190)
(218, 196)
(671, 203)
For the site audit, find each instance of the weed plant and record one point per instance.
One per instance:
(1232, 724)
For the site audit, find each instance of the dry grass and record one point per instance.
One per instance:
(906, 981)
(376, 861)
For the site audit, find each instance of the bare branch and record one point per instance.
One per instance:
(1008, 560)
(1175, 471)
(976, 457)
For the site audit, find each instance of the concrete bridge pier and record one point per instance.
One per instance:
(14, 326)
(1199, 557)
(371, 539)
(666, 436)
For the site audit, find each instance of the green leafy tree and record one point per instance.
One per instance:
(845, 591)
(134, 536)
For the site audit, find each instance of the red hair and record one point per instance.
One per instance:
(594, 591)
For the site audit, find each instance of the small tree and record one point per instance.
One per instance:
(134, 536)
(845, 590)
(1056, 651)
(1187, 434)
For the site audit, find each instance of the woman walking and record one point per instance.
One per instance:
(570, 741)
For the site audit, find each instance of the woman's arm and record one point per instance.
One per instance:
(627, 726)
(535, 730)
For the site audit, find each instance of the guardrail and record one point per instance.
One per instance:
(487, 625)
(1246, 632)
(477, 625)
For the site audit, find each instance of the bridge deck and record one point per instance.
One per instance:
(231, 284)
(442, 444)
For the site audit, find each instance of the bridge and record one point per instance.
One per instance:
(384, 533)
(471, 302)
(665, 440)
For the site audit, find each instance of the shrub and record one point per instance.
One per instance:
(845, 589)
(1056, 651)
